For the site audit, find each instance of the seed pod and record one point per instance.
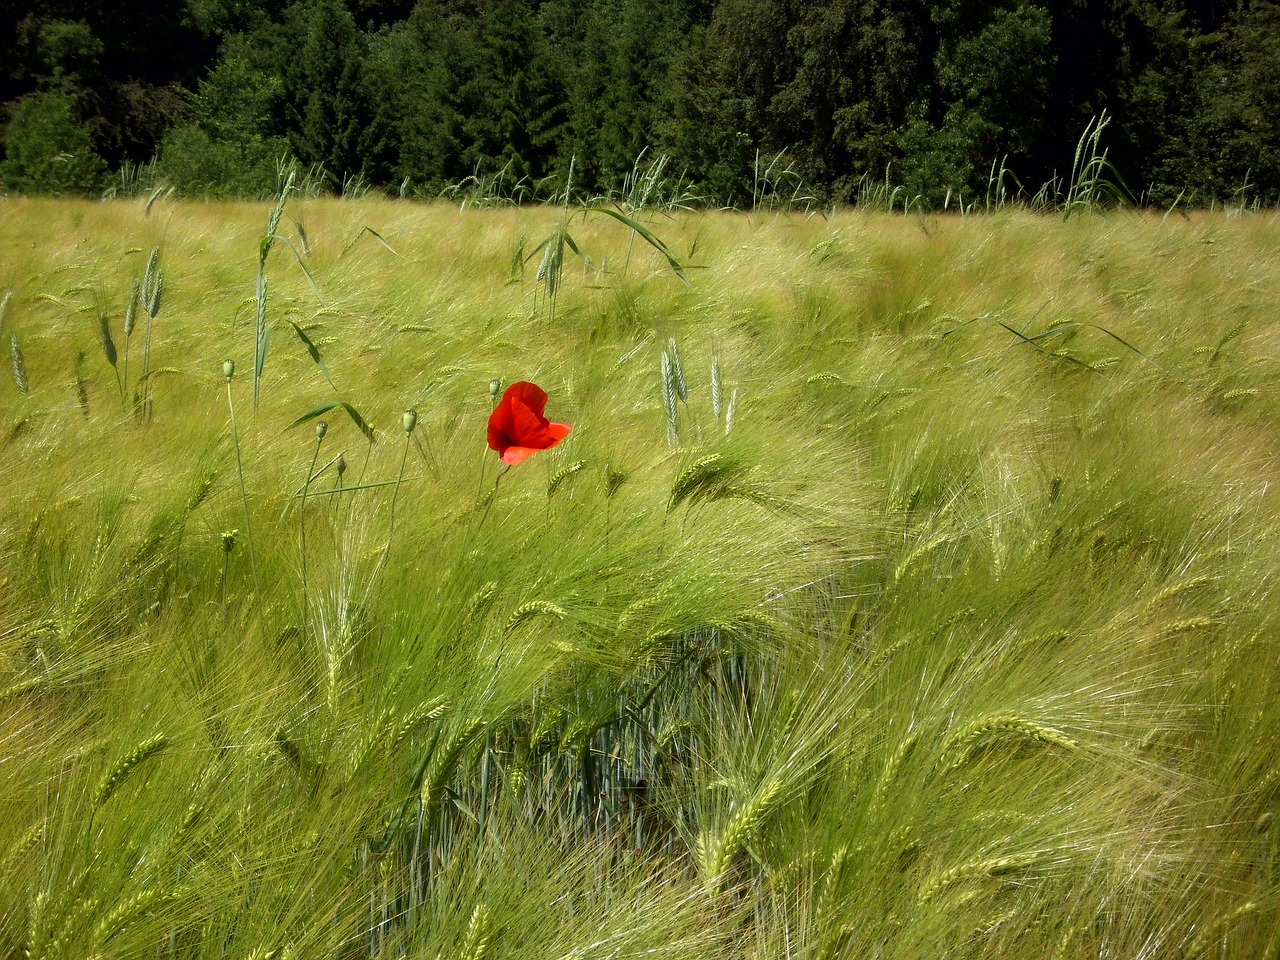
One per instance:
(228, 369)
(410, 420)
(321, 429)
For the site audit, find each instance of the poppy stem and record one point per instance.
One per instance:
(391, 532)
(493, 495)
(484, 463)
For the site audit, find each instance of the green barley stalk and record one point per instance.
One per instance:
(82, 386)
(127, 912)
(966, 740)
(130, 321)
(477, 934)
(716, 387)
(563, 474)
(321, 429)
(669, 400)
(152, 293)
(701, 479)
(229, 372)
(992, 868)
(444, 762)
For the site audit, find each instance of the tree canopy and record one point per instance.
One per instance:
(418, 96)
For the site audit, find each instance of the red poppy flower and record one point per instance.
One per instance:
(517, 428)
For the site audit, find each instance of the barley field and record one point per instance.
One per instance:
(906, 587)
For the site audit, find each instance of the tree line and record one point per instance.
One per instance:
(944, 100)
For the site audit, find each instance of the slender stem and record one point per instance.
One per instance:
(226, 561)
(124, 384)
(302, 525)
(493, 495)
(484, 463)
(394, 496)
(146, 369)
(244, 494)
(484, 780)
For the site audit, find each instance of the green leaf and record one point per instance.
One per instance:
(352, 412)
(298, 256)
(313, 413)
(315, 353)
(646, 234)
(373, 233)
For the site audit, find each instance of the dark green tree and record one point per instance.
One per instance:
(1237, 130)
(615, 58)
(48, 149)
(412, 79)
(511, 102)
(325, 110)
(987, 101)
(230, 148)
(715, 116)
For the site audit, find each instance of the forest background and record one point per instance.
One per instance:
(945, 99)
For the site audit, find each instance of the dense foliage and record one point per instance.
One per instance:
(947, 99)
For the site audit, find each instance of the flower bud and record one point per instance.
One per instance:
(321, 429)
(494, 386)
(410, 420)
(341, 465)
(228, 369)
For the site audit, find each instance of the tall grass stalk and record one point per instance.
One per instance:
(228, 373)
(322, 428)
(151, 292)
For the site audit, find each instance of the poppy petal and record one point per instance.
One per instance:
(529, 394)
(501, 427)
(514, 455)
(528, 426)
(517, 427)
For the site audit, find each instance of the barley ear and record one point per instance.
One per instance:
(124, 767)
(531, 608)
(702, 479)
(716, 854)
(677, 370)
(563, 474)
(104, 336)
(131, 309)
(477, 934)
(19, 365)
(153, 284)
(669, 400)
(964, 742)
(716, 387)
